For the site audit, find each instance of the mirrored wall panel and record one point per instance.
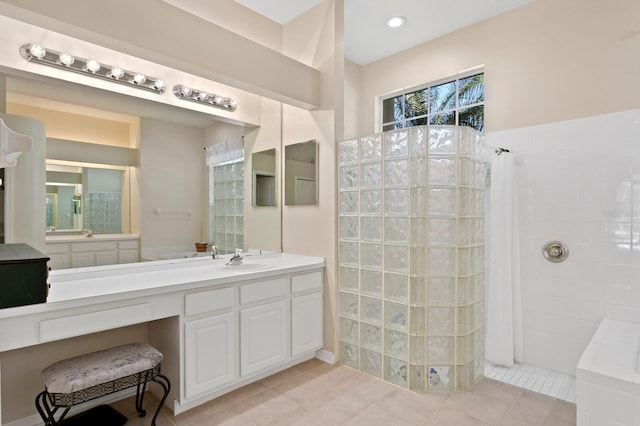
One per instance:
(301, 173)
(264, 181)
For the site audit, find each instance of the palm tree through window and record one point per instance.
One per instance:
(459, 101)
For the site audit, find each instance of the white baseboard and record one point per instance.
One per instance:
(326, 356)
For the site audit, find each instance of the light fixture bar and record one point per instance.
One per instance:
(90, 67)
(202, 97)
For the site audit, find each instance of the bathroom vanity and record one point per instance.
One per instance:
(219, 326)
(78, 251)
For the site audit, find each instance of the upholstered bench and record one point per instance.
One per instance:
(75, 380)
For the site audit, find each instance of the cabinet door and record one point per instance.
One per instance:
(209, 353)
(128, 256)
(306, 323)
(82, 259)
(106, 258)
(264, 336)
(59, 261)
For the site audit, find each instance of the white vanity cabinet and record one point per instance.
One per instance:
(236, 335)
(219, 328)
(209, 341)
(58, 256)
(98, 253)
(306, 309)
(80, 252)
(264, 324)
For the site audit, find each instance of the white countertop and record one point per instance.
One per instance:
(106, 297)
(100, 284)
(94, 237)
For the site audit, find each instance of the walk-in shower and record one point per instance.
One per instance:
(411, 256)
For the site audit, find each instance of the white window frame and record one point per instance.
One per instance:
(379, 107)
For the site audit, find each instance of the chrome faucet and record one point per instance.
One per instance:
(236, 259)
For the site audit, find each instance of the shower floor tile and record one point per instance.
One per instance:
(546, 382)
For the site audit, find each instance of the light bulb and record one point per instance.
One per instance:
(159, 85)
(92, 66)
(218, 100)
(139, 78)
(233, 103)
(116, 72)
(37, 51)
(185, 91)
(66, 58)
(202, 96)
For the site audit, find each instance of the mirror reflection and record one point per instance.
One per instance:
(83, 198)
(263, 171)
(300, 173)
(155, 193)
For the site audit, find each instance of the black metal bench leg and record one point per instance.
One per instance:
(163, 381)
(140, 389)
(46, 412)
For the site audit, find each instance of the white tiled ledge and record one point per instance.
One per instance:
(608, 380)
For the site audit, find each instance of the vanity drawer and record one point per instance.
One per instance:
(264, 290)
(306, 282)
(208, 301)
(94, 246)
(57, 248)
(128, 244)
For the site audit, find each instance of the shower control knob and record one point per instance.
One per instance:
(555, 251)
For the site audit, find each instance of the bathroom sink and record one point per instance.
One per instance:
(247, 267)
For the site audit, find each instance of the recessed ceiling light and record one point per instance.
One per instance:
(396, 21)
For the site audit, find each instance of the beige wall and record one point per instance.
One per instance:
(172, 179)
(237, 18)
(77, 127)
(544, 62)
(316, 38)
(352, 89)
(263, 225)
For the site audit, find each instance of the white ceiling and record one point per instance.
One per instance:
(368, 39)
(281, 11)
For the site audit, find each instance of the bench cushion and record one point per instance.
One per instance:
(97, 368)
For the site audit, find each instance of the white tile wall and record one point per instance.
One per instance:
(579, 182)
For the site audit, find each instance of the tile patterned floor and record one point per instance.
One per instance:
(315, 393)
(550, 383)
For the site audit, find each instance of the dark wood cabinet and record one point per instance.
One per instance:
(23, 275)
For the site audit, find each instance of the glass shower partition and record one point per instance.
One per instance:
(411, 256)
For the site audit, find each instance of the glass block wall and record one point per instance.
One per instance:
(411, 256)
(227, 211)
(102, 212)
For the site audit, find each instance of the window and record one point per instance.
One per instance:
(454, 102)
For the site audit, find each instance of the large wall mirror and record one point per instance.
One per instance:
(264, 182)
(301, 173)
(74, 191)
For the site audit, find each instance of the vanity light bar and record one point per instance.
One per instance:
(68, 62)
(202, 97)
